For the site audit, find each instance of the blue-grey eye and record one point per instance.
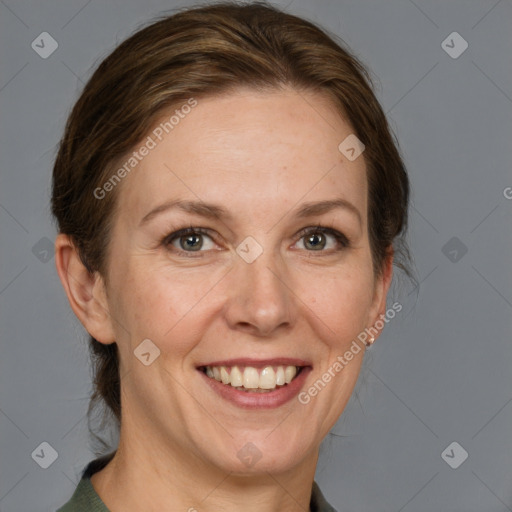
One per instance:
(319, 239)
(191, 241)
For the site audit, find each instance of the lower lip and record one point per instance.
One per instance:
(267, 400)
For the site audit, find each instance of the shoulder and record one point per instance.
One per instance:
(85, 498)
(318, 502)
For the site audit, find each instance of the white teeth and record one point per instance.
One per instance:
(251, 378)
(224, 375)
(268, 378)
(235, 377)
(289, 373)
(280, 376)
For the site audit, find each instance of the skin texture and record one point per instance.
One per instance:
(261, 156)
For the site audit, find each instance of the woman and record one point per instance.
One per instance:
(229, 201)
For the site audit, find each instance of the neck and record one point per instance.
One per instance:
(145, 476)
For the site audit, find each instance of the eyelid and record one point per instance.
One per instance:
(188, 231)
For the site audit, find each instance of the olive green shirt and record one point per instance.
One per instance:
(85, 498)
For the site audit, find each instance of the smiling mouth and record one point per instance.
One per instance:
(253, 380)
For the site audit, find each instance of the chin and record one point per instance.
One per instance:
(262, 455)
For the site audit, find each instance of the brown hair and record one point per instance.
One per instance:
(204, 51)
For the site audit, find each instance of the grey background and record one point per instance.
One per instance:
(442, 370)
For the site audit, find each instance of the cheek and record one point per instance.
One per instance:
(156, 304)
(340, 299)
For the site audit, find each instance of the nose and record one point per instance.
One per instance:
(260, 302)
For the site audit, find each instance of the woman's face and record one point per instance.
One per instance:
(256, 283)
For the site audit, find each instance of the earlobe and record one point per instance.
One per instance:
(85, 291)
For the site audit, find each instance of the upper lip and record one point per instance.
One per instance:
(258, 363)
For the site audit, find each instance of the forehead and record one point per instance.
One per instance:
(248, 149)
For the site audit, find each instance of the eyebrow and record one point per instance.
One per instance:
(321, 207)
(213, 211)
(201, 208)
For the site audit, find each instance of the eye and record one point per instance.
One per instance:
(320, 238)
(187, 241)
(190, 240)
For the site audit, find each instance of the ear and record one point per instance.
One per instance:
(85, 291)
(382, 284)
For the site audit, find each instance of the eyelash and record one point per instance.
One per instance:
(338, 236)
